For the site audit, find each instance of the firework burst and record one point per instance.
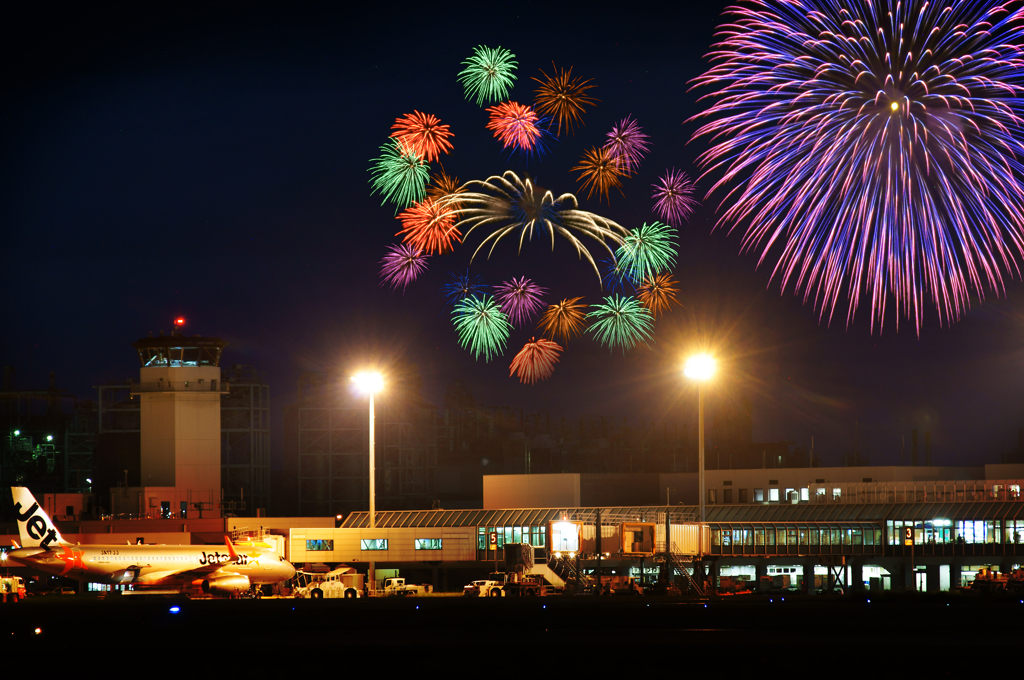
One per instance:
(422, 134)
(621, 322)
(489, 74)
(599, 171)
(430, 227)
(402, 265)
(535, 361)
(461, 286)
(399, 175)
(563, 320)
(615, 277)
(648, 250)
(511, 205)
(482, 327)
(517, 126)
(627, 145)
(658, 293)
(563, 97)
(673, 197)
(442, 185)
(519, 299)
(873, 147)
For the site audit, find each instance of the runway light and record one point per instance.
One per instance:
(175, 609)
(38, 631)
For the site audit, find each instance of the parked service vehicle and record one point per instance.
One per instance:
(490, 587)
(13, 588)
(397, 586)
(499, 584)
(342, 582)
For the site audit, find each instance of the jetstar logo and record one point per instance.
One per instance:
(214, 558)
(72, 559)
(36, 525)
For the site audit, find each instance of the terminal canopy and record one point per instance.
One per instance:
(176, 351)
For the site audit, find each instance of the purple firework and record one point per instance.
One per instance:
(402, 265)
(519, 299)
(627, 144)
(673, 197)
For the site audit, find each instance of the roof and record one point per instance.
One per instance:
(716, 514)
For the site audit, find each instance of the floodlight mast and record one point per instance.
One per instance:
(700, 368)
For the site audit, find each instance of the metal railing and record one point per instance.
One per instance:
(185, 386)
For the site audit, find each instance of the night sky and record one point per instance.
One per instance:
(212, 162)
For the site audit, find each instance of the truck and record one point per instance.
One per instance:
(989, 581)
(342, 582)
(500, 584)
(397, 586)
(13, 588)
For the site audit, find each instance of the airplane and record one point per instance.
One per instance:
(231, 570)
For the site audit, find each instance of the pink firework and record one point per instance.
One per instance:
(520, 299)
(535, 361)
(517, 126)
(402, 265)
(627, 144)
(673, 197)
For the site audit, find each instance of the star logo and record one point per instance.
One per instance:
(72, 559)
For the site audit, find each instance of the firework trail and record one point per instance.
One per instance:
(430, 227)
(402, 265)
(872, 148)
(489, 74)
(517, 126)
(519, 299)
(422, 134)
(673, 197)
(627, 145)
(509, 205)
(563, 320)
(621, 322)
(658, 294)
(462, 286)
(615, 277)
(599, 171)
(400, 176)
(482, 327)
(535, 361)
(563, 97)
(648, 250)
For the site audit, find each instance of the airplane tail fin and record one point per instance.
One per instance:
(35, 527)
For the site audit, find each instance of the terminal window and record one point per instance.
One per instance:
(773, 495)
(428, 543)
(759, 495)
(373, 544)
(319, 544)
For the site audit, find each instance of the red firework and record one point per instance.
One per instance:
(515, 125)
(535, 361)
(429, 226)
(422, 134)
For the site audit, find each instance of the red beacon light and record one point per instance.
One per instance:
(179, 321)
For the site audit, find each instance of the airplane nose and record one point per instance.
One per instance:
(289, 569)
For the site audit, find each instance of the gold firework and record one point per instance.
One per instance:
(658, 294)
(599, 171)
(564, 320)
(563, 97)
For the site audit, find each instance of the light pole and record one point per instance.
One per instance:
(370, 383)
(700, 368)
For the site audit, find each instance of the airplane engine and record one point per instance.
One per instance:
(226, 585)
(129, 575)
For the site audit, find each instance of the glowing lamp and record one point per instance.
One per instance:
(700, 367)
(179, 321)
(368, 382)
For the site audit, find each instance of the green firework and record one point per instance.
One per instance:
(399, 176)
(621, 321)
(648, 251)
(483, 328)
(489, 74)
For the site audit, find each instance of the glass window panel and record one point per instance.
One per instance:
(758, 536)
(428, 544)
(373, 544)
(759, 495)
(773, 495)
(813, 534)
(857, 538)
(769, 534)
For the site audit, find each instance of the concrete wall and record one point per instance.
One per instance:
(611, 489)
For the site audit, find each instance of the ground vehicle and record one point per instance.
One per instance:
(988, 581)
(237, 570)
(342, 582)
(12, 588)
(500, 584)
(398, 586)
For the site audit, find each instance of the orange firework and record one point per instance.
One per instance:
(562, 97)
(535, 361)
(516, 125)
(599, 171)
(430, 227)
(658, 294)
(423, 135)
(564, 320)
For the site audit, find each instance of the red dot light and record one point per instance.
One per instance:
(180, 321)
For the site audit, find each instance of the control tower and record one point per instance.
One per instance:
(180, 392)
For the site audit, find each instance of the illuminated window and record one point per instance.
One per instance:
(319, 544)
(773, 495)
(373, 544)
(428, 544)
(759, 495)
(805, 494)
